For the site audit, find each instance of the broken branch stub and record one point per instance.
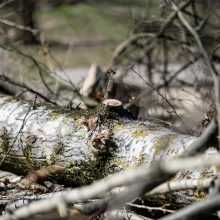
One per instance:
(112, 104)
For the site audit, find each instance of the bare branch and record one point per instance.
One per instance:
(18, 26)
(182, 185)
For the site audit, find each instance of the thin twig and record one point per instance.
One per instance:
(163, 97)
(18, 26)
(180, 185)
(205, 56)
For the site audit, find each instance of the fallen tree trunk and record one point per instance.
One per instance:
(85, 146)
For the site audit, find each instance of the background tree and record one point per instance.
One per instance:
(25, 13)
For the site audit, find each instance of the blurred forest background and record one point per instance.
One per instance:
(79, 32)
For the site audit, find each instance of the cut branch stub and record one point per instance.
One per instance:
(112, 103)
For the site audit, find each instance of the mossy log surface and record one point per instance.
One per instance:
(88, 145)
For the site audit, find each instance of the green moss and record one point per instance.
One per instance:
(32, 162)
(12, 99)
(58, 149)
(4, 141)
(125, 165)
(199, 194)
(78, 121)
(54, 116)
(119, 126)
(53, 158)
(117, 162)
(31, 139)
(140, 133)
(141, 159)
(56, 109)
(27, 152)
(11, 166)
(162, 143)
(21, 165)
(173, 199)
(83, 173)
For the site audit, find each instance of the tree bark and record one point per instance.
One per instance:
(86, 145)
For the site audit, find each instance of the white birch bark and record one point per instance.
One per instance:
(44, 135)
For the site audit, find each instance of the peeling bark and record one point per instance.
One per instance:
(87, 145)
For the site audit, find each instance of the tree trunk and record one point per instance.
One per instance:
(87, 145)
(25, 13)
